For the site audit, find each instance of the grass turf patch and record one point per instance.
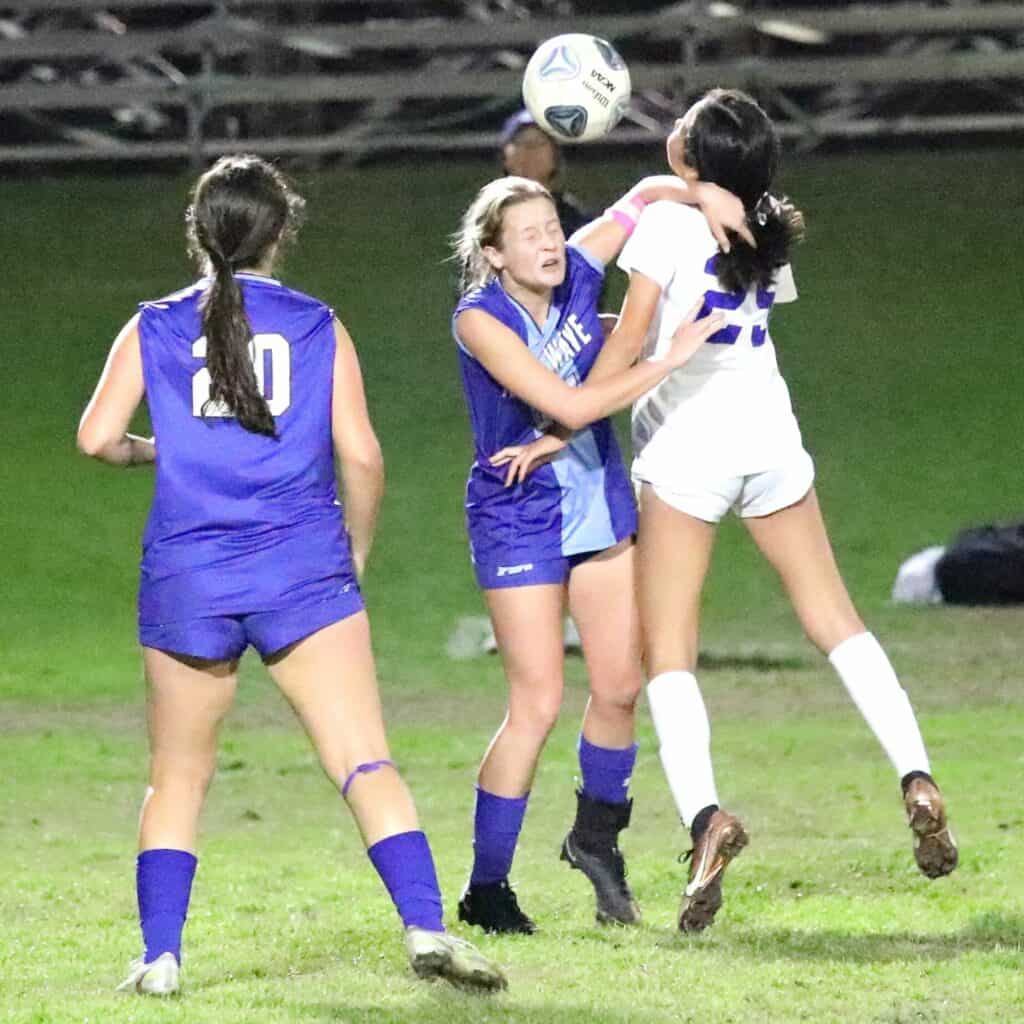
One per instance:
(826, 917)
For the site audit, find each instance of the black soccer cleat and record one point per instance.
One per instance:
(591, 847)
(494, 908)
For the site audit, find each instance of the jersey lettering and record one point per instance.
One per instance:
(271, 362)
(730, 301)
(566, 345)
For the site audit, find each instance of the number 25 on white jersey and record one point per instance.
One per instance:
(267, 351)
(754, 315)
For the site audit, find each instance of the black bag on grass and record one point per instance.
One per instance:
(983, 565)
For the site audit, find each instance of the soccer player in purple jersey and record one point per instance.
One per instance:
(527, 332)
(253, 390)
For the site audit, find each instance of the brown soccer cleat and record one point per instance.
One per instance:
(934, 846)
(722, 840)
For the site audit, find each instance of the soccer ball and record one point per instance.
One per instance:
(576, 87)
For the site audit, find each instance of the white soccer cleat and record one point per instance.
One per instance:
(161, 977)
(440, 955)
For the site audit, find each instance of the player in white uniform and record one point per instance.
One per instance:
(727, 414)
(720, 434)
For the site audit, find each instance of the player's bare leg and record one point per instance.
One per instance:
(796, 543)
(330, 680)
(673, 556)
(603, 606)
(186, 702)
(528, 628)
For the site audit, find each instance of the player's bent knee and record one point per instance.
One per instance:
(618, 700)
(537, 718)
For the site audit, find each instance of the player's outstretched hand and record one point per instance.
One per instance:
(521, 459)
(692, 333)
(724, 212)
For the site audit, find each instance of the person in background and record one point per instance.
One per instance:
(527, 151)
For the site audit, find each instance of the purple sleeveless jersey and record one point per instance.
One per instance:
(579, 502)
(240, 523)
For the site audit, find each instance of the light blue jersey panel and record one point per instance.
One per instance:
(586, 517)
(582, 500)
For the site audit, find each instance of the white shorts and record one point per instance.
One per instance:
(757, 494)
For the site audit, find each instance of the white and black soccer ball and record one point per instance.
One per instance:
(576, 87)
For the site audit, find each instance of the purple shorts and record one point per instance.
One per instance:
(225, 637)
(529, 574)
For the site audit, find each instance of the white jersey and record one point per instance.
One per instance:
(727, 412)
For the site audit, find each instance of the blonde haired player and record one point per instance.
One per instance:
(527, 334)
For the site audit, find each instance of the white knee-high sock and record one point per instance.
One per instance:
(684, 736)
(869, 677)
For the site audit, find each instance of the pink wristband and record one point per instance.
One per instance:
(623, 218)
(627, 211)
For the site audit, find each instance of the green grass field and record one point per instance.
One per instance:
(904, 360)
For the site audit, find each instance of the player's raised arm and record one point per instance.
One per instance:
(624, 342)
(357, 449)
(605, 236)
(503, 355)
(102, 432)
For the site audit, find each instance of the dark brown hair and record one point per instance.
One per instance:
(732, 142)
(241, 208)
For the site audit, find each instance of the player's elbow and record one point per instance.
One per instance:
(365, 462)
(91, 442)
(575, 416)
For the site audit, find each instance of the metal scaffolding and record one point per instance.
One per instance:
(147, 80)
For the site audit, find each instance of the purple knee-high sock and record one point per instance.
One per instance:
(163, 882)
(406, 867)
(496, 826)
(606, 772)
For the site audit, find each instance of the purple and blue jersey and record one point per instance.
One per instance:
(581, 501)
(241, 523)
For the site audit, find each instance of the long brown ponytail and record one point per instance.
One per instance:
(733, 143)
(241, 208)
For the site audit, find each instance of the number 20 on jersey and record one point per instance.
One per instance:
(272, 364)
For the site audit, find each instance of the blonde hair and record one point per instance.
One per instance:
(482, 223)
